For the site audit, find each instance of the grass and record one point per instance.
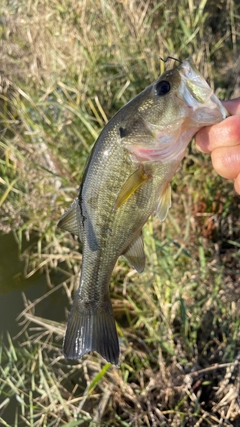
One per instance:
(68, 67)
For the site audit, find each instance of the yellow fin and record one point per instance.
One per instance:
(131, 185)
(164, 203)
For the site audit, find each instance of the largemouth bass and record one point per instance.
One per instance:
(126, 178)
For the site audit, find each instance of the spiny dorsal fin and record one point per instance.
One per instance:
(164, 203)
(70, 221)
(131, 185)
(135, 254)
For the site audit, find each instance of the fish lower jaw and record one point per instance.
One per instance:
(207, 114)
(204, 116)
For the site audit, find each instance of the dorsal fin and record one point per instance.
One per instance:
(71, 219)
(135, 254)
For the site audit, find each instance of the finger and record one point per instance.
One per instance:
(226, 161)
(237, 184)
(233, 106)
(224, 134)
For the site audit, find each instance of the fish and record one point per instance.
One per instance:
(126, 178)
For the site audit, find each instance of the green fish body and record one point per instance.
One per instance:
(126, 178)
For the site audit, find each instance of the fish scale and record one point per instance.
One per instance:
(126, 178)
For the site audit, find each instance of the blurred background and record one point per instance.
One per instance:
(66, 68)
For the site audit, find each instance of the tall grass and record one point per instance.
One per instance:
(70, 66)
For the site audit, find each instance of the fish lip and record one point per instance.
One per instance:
(197, 94)
(194, 83)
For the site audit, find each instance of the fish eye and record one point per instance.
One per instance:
(163, 87)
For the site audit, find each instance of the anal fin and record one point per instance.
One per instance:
(135, 254)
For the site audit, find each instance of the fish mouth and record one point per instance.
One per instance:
(199, 97)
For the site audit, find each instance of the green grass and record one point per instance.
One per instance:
(70, 66)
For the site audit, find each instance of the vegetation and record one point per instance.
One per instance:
(67, 67)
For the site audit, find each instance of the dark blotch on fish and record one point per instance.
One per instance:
(123, 132)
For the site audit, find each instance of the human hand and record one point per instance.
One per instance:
(222, 141)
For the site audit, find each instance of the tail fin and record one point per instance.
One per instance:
(91, 329)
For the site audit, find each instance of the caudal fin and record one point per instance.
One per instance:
(91, 329)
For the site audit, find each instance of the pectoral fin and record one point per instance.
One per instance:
(164, 203)
(131, 185)
(135, 254)
(71, 219)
